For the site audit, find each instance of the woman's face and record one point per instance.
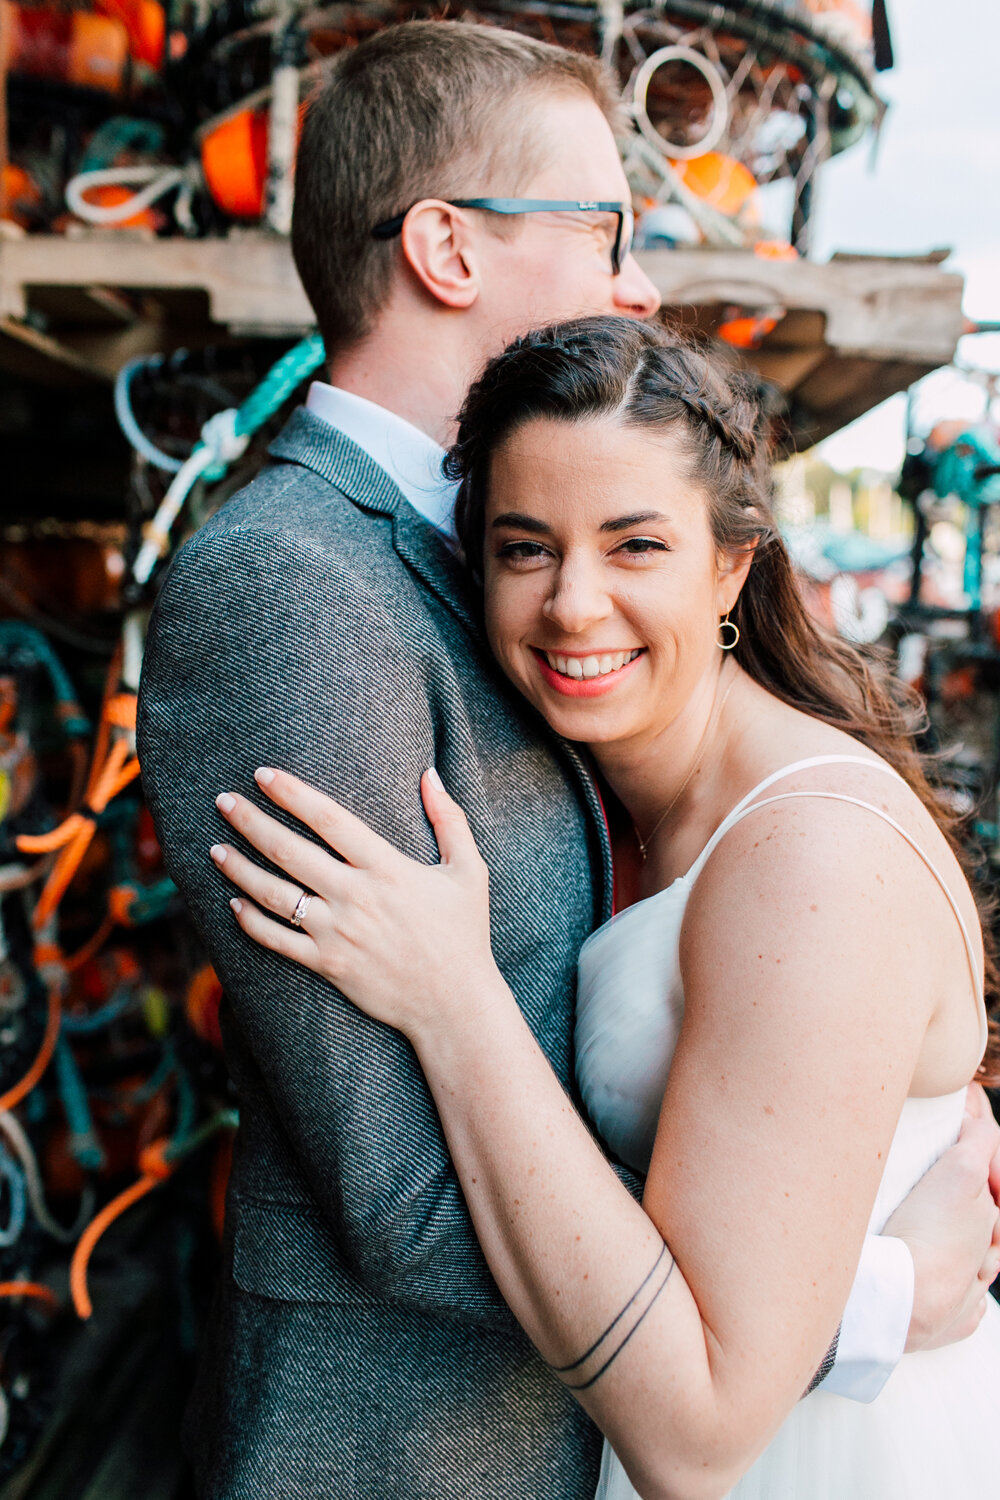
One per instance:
(603, 585)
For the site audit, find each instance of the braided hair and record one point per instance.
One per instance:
(626, 371)
(641, 375)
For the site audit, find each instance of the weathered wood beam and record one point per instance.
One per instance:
(882, 308)
(849, 333)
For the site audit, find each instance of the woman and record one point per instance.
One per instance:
(782, 1017)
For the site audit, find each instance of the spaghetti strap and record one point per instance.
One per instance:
(735, 813)
(745, 807)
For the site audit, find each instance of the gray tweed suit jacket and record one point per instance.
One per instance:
(360, 1346)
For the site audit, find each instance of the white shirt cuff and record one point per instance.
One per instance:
(876, 1320)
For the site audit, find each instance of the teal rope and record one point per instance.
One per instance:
(279, 383)
(17, 637)
(274, 390)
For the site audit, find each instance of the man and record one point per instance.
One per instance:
(321, 623)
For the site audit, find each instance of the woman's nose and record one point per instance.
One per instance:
(578, 601)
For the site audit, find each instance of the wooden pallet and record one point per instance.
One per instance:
(849, 333)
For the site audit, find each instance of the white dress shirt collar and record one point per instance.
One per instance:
(410, 458)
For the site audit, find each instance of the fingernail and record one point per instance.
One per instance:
(224, 802)
(434, 778)
(236, 904)
(218, 853)
(263, 775)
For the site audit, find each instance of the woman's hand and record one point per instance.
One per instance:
(406, 942)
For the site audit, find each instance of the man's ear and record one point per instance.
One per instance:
(439, 246)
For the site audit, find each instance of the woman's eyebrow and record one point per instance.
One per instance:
(641, 518)
(522, 522)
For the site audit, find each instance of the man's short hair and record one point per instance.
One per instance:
(426, 109)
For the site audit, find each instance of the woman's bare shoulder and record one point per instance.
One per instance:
(840, 853)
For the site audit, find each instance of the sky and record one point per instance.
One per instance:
(935, 182)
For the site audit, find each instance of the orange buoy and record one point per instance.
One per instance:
(21, 197)
(145, 23)
(746, 333)
(775, 250)
(234, 161)
(110, 195)
(75, 46)
(201, 1006)
(722, 181)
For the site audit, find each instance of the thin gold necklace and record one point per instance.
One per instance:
(713, 718)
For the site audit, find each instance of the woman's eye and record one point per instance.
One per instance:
(635, 545)
(522, 551)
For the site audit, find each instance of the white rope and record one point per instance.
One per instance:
(720, 104)
(23, 1150)
(220, 445)
(158, 179)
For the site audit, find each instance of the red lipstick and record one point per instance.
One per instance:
(583, 687)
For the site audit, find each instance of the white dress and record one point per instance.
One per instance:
(933, 1433)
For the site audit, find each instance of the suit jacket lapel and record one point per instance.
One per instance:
(313, 443)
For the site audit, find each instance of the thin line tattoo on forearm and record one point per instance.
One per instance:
(638, 1305)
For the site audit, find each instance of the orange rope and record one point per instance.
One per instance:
(126, 775)
(111, 771)
(14, 1095)
(103, 738)
(121, 710)
(93, 1232)
(62, 873)
(100, 792)
(30, 1289)
(113, 778)
(91, 946)
(56, 838)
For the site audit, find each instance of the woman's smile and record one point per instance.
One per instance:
(603, 582)
(586, 674)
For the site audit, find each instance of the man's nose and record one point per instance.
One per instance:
(632, 291)
(578, 600)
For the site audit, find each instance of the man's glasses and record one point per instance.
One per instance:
(622, 211)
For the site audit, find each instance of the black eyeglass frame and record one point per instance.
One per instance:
(623, 212)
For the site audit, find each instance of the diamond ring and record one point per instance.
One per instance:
(301, 907)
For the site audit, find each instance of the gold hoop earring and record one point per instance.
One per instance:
(732, 625)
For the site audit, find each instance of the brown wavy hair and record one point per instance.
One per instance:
(642, 375)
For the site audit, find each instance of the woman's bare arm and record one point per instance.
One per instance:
(688, 1327)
